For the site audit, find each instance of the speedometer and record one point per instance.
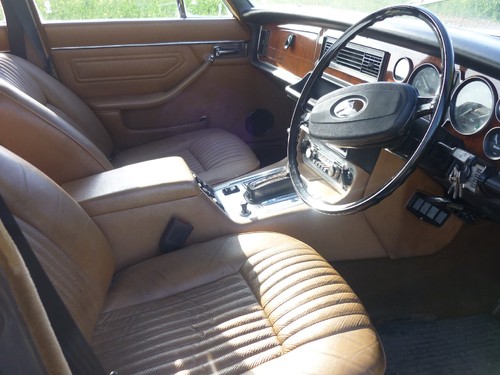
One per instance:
(472, 105)
(426, 79)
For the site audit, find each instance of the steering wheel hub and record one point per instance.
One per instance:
(367, 115)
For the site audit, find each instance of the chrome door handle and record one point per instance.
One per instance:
(221, 51)
(231, 50)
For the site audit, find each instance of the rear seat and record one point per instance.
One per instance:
(48, 125)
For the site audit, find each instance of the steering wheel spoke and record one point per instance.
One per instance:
(425, 106)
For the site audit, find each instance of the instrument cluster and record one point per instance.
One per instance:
(474, 110)
(474, 105)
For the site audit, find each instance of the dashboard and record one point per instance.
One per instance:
(289, 51)
(474, 115)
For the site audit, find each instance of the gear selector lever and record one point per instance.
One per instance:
(268, 187)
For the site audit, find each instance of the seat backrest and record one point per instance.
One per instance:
(45, 123)
(72, 249)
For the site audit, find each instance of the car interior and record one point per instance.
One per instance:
(271, 191)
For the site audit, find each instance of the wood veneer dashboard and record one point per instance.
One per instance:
(294, 49)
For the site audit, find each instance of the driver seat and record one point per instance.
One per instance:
(52, 128)
(255, 303)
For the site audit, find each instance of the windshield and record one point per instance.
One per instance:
(477, 15)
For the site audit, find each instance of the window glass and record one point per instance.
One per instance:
(67, 10)
(73, 10)
(210, 8)
(2, 16)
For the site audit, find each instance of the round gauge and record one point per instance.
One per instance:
(426, 79)
(472, 105)
(497, 110)
(491, 144)
(402, 69)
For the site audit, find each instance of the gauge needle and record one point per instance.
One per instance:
(466, 112)
(481, 112)
(426, 85)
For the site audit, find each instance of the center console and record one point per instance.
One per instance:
(258, 196)
(134, 205)
(267, 193)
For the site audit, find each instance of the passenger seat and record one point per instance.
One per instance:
(257, 303)
(48, 125)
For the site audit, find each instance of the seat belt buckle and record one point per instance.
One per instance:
(175, 235)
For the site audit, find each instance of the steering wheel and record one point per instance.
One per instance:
(369, 115)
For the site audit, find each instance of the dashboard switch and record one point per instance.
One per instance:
(290, 41)
(230, 190)
(311, 153)
(426, 209)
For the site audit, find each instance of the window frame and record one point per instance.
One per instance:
(181, 7)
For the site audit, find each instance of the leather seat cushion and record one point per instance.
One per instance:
(259, 302)
(213, 154)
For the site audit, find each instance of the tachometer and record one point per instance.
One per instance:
(491, 144)
(472, 105)
(425, 79)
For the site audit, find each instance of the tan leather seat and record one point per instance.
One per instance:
(48, 125)
(256, 303)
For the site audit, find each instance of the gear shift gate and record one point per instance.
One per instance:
(265, 188)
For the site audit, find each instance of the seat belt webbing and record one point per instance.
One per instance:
(20, 20)
(78, 353)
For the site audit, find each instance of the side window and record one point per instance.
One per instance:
(64, 10)
(206, 8)
(2, 16)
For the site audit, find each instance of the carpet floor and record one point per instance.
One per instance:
(468, 345)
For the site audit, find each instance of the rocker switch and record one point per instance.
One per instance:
(230, 190)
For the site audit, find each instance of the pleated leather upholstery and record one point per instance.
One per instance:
(47, 92)
(212, 154)
(252, 299)
(217, 326)
(46, 124)
(71, 248)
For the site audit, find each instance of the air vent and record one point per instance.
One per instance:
(263, 42)
(326, 46)
(356, 58)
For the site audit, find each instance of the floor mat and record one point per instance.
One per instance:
(468, 345)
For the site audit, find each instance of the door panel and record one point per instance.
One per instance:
(127, 68)
(224, 96)
(110, 72)
(151, 79)
(135, 48)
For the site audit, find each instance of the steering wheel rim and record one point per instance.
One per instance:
(443, 97)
